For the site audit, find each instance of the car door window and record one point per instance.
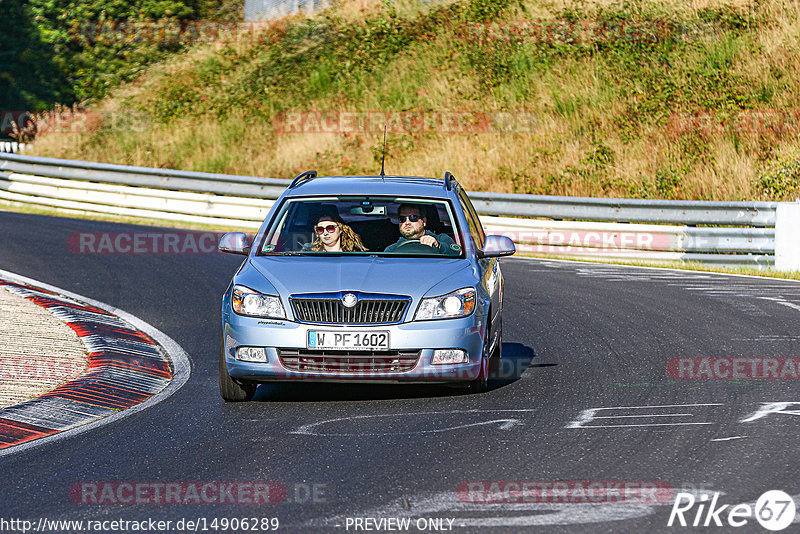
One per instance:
(475, 228)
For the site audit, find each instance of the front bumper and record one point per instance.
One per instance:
(424, 336)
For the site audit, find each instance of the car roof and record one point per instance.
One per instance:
(370, 185)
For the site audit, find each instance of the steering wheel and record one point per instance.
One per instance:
(413, 245)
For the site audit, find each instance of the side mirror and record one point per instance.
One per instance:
(496, 246)
(234, 243)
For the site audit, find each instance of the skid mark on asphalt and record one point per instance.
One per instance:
(390, 424)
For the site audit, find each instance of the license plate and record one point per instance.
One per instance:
(351, 340)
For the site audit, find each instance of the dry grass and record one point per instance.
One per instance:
(671, 5)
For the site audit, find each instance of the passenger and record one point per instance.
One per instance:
(412, 230)
(333, 235)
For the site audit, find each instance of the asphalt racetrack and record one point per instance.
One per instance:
(596, 388)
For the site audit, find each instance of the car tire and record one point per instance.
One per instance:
(481, 383)
(495, 361)
(229, 389)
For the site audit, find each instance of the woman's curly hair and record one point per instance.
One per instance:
(349, 239)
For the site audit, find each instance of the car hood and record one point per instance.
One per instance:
(401, 276)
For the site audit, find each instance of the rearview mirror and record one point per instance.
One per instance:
(234, 243)
(496, 246)
(368, 210)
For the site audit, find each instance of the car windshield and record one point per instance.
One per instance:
(363, 225)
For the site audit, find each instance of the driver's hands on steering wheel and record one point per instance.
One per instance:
(429, 240)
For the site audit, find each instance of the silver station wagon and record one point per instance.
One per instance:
(384, 279)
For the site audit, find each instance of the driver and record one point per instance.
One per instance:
(412, 228)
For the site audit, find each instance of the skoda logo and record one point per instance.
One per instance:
(349, 300)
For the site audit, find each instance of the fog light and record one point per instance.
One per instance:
(252, 354)
(448, 356)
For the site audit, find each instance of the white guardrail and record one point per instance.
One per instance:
(764, 235)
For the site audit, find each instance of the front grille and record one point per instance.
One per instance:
(332, 311)
(351, 361)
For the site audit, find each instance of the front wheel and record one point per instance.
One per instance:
(230, 390)
(481, 383)
(495, 362)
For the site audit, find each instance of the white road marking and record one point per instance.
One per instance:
(643, 415)
(789, 304)
(504, 424)
(179, 358)
(586, 416)
(639, 425)
(729, 439)
(767, 408)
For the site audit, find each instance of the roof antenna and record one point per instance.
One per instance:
(383, 154)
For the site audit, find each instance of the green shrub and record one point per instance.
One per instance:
(781, 179)
(668, 182)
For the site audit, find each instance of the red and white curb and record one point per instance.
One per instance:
(132, 366)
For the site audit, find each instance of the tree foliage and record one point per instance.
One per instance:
(68, 51)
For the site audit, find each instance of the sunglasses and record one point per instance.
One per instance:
(330, 228)
(412, 218)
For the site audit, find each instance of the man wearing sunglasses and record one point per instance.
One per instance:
(413, 232)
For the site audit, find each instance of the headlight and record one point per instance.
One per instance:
(456, 304)
(248, 302)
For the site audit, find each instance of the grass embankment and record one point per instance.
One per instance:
(661, 99)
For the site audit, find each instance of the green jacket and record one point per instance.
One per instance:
(446, 244)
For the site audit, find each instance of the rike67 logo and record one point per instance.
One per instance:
(774, 510)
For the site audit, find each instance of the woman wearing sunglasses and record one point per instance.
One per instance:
(333, 235)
